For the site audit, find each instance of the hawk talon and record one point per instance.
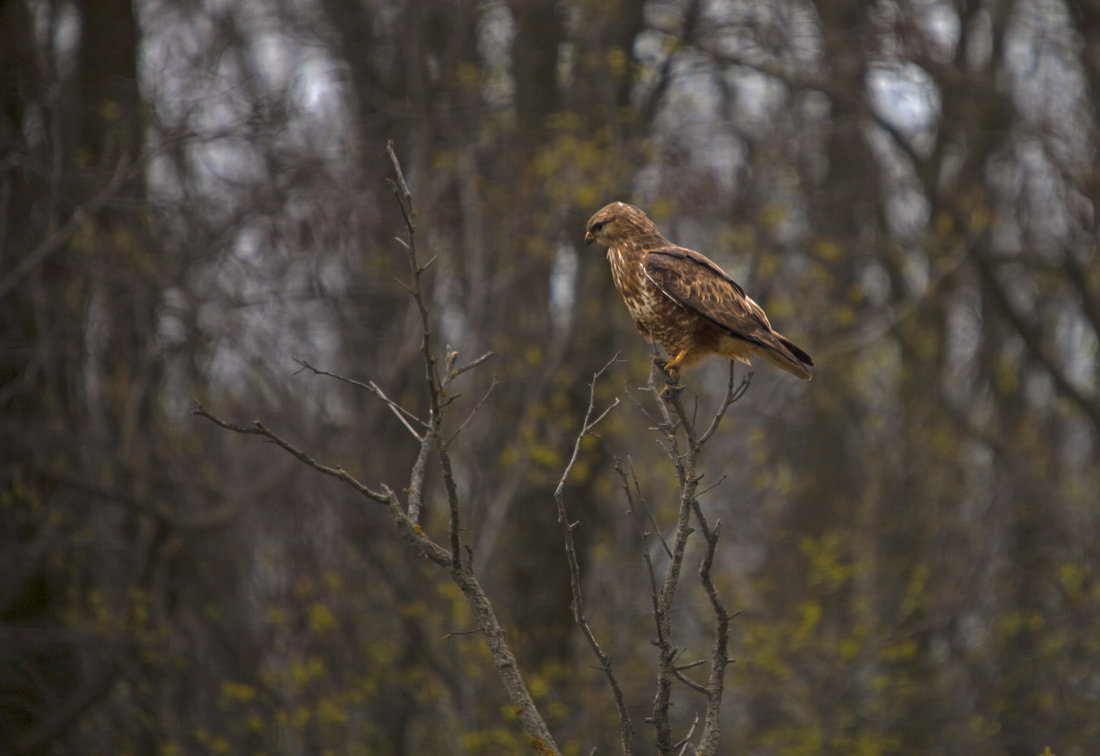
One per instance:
(671, 371)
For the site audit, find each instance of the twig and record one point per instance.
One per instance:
(480, 403)
(690, 665)
(625, 725)
(401, 188)
(453, 372)
(732, 395)
(453, 633)
(259, 429)
(697, 687)
(643, 534)
(400, 412)
(408, 528)
(685, 743)
(640, 499)
(711, 487)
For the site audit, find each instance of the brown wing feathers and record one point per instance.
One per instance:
(696, 283)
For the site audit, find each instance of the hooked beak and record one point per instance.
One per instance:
(589, 238)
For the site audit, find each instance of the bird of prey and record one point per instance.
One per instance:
(682, 300)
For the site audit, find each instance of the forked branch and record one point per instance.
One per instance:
(591, 420)
(683, 444)
(406, 516)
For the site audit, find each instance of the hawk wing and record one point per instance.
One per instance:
(695, 282)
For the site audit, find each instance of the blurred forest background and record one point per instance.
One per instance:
(193, 195)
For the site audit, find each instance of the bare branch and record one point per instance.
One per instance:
(453, 372)
(643, 534)
(259, 429)
(625, 725)
(409, 528)
(451, 488)
(480, 403)
(400, 412)
(685, 743)
(401, 189)
(454, 633)
(416, 478)
(711, 487)
(678, 673)
(732, 395)
(639, 497)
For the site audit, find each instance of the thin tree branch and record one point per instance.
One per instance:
(400, 412)
(678, 673)
(641, 499)
(453, 372)
(436, 391)
(416, 478)
(685, 742)
(626, 726)
(259, 429)
(643, 534)
(732, 395)
(480, 403)
(462, 574)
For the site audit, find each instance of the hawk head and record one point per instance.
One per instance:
(616, 222)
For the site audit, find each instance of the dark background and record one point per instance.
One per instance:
(193, 195)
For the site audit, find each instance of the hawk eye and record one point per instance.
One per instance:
(597, 226)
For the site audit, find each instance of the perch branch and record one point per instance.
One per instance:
(675, 422)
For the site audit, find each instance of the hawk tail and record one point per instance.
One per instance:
(788, 357)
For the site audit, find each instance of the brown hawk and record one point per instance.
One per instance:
(683, 300)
